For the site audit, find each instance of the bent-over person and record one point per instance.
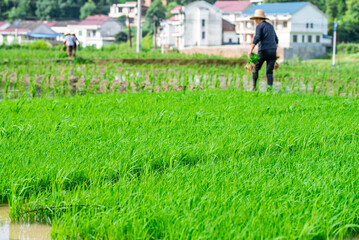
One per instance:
(267, 41)
(75, 39)
(69, 43)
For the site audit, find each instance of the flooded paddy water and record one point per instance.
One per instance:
(21, 231)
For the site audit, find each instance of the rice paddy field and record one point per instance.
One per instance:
(104, 150)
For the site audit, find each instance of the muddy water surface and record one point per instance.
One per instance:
(26, 231)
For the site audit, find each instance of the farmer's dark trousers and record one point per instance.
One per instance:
(270, 56)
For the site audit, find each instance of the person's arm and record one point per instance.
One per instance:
(251, 50)
(276, 38)
(256, 40)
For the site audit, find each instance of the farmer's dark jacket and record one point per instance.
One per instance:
(265, 37)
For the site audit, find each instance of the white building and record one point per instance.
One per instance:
(232, 9)
(300, 26)
(229, 35)
(4, 25)
(26, 31)
(130, 10)
(97, 30)
(295, 23)
(197, 24)
(166, 35)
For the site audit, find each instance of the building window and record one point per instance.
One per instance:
(285, 24)
(230, 40)
(318, 39)
(311, 25)
(295, 38)
(307, 25)
(203, 22)
(303, 38)
(80, 33)
(309, 38)
(203, 35)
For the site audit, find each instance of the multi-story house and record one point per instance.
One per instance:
(295, 22)
(97, 30)
(300, 26)
(197, 24)
(25, 31)
(129, 10)
(232, 9)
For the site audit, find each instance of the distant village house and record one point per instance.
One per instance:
(96, 31)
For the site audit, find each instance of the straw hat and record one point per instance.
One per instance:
(66, 34)
(259, 14)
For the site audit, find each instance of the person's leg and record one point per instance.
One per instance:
(69, 51)
(271, 59)
(256, 71)
(74, 51)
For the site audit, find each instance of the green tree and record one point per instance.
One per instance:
(121, 37)
(88, 9)
(5, 7)
(122, 19)
(155, 14)
(169, 7)
(22, 11)
(47, 9)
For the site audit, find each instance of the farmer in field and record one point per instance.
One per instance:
(75, 39)
(69, 43)
(267, 41)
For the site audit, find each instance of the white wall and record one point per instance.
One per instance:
(166, 35)
(193, 29)
(90, 35)
(310, 15)
(230, 35)
(230, 17)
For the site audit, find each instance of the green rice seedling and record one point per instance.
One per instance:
(348, 85)
(189, 78)
(217, 82)
(32, 85)
(88, 80)
(314, 84)
(128, 77)
(153, 165)
(341, 87)
(306, 77)
(7, 86)
(356, 86)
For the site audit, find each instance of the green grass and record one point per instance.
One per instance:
(183, 165)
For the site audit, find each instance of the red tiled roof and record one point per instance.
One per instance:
(2, 23)
(232, 6)
(177, 9)
(13, 30)
(94, 20)
(171, 19)
(50, 24)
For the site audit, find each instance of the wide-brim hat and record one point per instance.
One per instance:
(66, 34)
(259, 14)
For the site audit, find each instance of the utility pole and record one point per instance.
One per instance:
(129, 30)
(334, 42)
(16, 24)
(139, 30)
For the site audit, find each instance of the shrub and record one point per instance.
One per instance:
(38, 44)
(348, 48)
